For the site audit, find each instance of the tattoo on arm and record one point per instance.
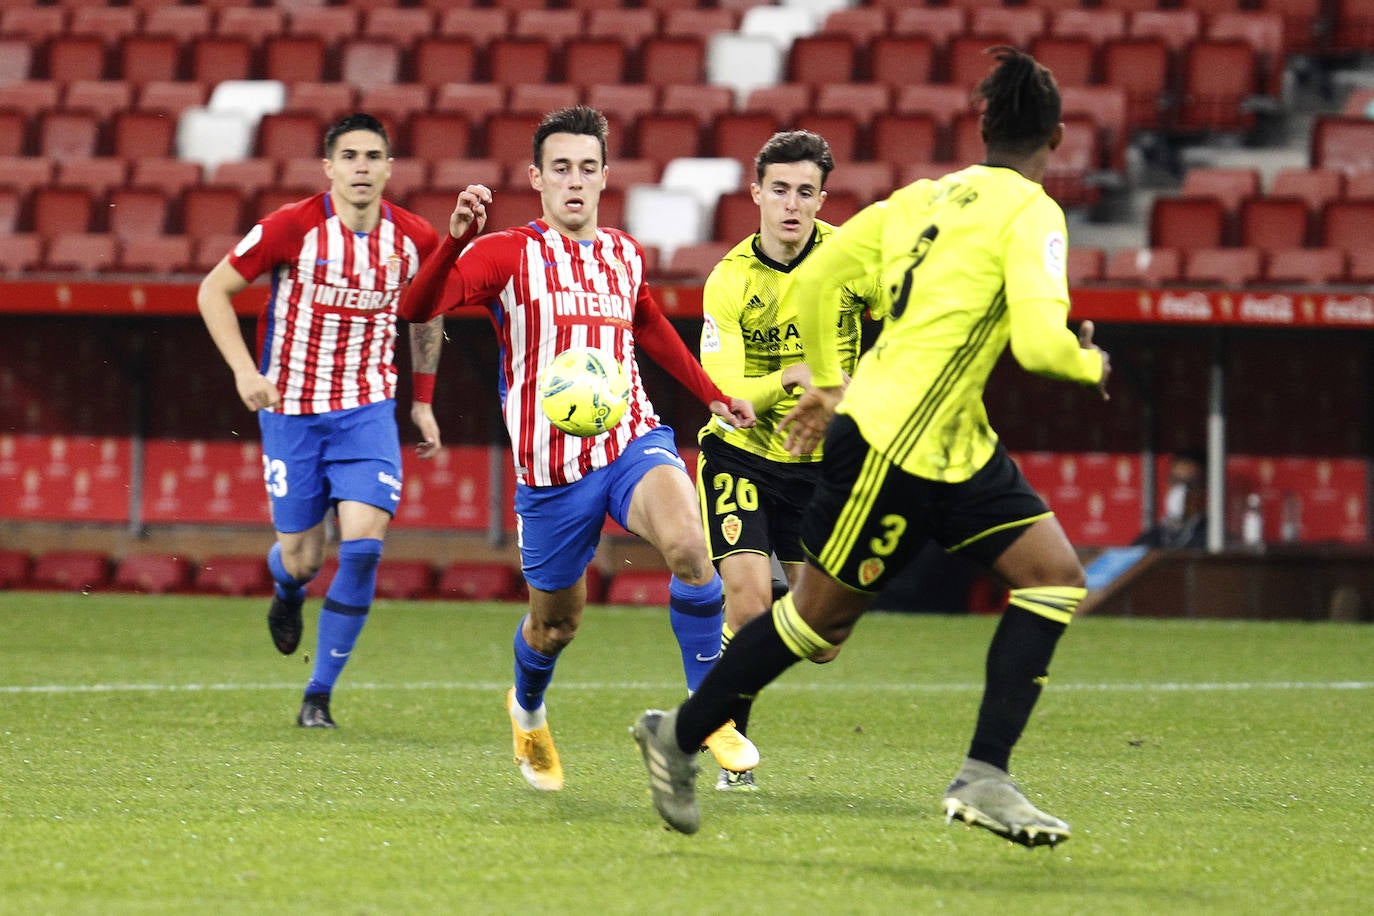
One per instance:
(426, 340)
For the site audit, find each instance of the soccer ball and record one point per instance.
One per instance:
(584, 391)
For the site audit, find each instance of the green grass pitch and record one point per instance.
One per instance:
(149, 764)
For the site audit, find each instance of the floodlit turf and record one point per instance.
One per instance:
(149, 763)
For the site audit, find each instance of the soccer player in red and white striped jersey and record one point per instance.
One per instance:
(323, 382)
(557, 282)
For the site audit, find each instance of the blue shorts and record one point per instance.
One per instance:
(558, 527)
(312, 461)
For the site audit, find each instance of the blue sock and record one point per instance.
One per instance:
(287, 588)
(533, 671)
(697, 613)
(345, 610)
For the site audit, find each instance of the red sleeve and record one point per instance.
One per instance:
(270, 242)
(656, 336)
(443, 284)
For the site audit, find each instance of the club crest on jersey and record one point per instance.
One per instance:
(393, 266)
(870, 570)
(622, 272)
(730, 528)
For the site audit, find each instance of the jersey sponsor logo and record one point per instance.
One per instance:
(1056, 254)
(710, 335)
(730, 528)
(870, 570)
(577, 306)
(774, 339)
(354, 300)
(246, 243)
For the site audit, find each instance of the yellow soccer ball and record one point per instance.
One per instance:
(584, 391)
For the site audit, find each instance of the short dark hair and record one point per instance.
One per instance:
(579, 119)
(356, 121)
(1023, 105)
(795, 146)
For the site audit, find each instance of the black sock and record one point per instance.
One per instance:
(1017, 666)
(757, 655)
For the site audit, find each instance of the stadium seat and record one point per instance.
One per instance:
(434, 205)
(171, 176)
(21, 252)
(255, 24)
(705, 177)
(1342, 143)
(841, 130)
(519, 60)
(213, 210)
(1187, 223)
(288, 134)
(1218, 79)
(1019, 23)
(182, 23)
(662, 137)
(694, 262)
(327, 101)
(741, 62)
(1271, 223)
(70, 570)
(170, 97)
(1097, 25)
(1305, 266)
(1229, 185)
(68, 135)
(31, 97)
(332, 25)
(81, 252)
(25, 173)
(1141, 67)
(1072, 60)
(868, 181)
(1261, 30)
(101, 98)
(397, 103)
(1177, 28)
(1085, 265)
(475, 581)
(214, 59)
(1147, 267)
(14, 569)
(786, 102)
(435, 135)
(861, 24)
(540, 98)
(863, 101)
(507, 137)
(369, 63)
(1359, 266)
(1305, 23)
(625, 102)
(736, 217)
(589, 62)
(34, 23)
(966, 57)
(630, 26)
(233, 575)
(647, 587)
(94, 175)
(667, 219)
(11, 203)
(405, 579)
(14, 133)
(627, 172)
(58, 211)
(704, 101)
(152, 574)
(815, 60)
(478, 101)
(302, 172)
(902, 60)
(137, 213)
(901, 138)
(698, 22)
(165, 254)
(939, 24)
(443, 59)
(1359, 185)
(74, 57)
(208, 251)
(482, 25)
(1316, 186)
(250, 98)
(740, 135)
(1345, 224)
(1106, 107)
(295, 59)
(247, 175)
(143, 58)
(667, 61)
(211, 137)
(1228, 267)
(399, 25)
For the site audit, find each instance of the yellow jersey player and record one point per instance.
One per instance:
(969, 263)
(752, 489)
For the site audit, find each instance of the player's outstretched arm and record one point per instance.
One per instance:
(424, 298)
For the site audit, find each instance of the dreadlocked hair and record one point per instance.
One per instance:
(1023, 105)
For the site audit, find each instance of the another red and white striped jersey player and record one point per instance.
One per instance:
(546, 293)
(327, 335)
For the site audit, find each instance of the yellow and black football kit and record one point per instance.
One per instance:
(752, 489)
(967, 264)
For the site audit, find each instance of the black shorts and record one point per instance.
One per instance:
(869, 518)
(751, 504)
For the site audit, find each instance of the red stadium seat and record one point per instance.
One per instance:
(740, 135)
(25, 173)
(172, 176)
(541, 98)
(21, 252)
(14, 569)
(682, 21)
(1229, 185)
(590, 61)
(519, 60)
(900, 138)
(450, 176)
(399, 102)
(70, 570)
(1359, 185)
(1346, 224)
(11, 203)
(435, 135)
(1229, 267)
(14, 131)
(1305, 266)
(861, 24)
(136, 134)
(1218, 78)
(661, 137)
(1261, 30)
(1019, 23)
(233, 575)
(508, 136)
(629, 26)
(331, 24)
(81, 252)
(478, 101)
(156, 255)
(868, 181)
(1147, 267)
(95, 176)
(247, 175)
(1072, 60)
(1188, 223)
(327, 101)
(369, 63)
(474, 581)
(647, 587)
(109, 23)
(1316, 186)
(482, 25)
(736, 217)
(254, 24)
(785, 101)
(152, 574)
(1085, 265)
(68, 135)
(182, 23)
(401, 26)
(295, 59)
(863, 101)
(288, 134)
(213, 210)
(1271, 223)
(405, 579)
(1177, 28)
(939, 24)
(554, 26)
(75, 57)
(35, 23)
(137, 213)
(693, 262)
(707, 102)
(101, 98)
(435, 204)
(442, 59)
(58, 211)
(625, 102)
(31, 97)
(840, 130)
(1305, 25)
(1096, 25)
(170, 97)
(1342, 143)
(666, 61)
(208, 251)
(214, 59)
(1141, 67)
(815, 60)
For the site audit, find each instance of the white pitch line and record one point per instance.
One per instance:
(1201, 687)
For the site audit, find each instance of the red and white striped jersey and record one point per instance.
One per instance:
(327, 335)
(546, 293)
